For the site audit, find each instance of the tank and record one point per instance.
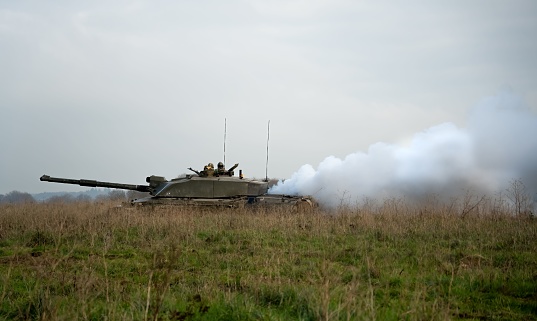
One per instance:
(208, 187)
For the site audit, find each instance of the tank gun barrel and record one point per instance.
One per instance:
(93, 183)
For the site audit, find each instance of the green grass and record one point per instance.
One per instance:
(84, 261)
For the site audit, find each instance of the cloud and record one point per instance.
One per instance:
(331, 76)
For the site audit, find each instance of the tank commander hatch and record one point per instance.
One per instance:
(210, 171)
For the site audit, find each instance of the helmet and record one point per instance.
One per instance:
(220, 165)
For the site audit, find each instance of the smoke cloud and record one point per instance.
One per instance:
(498, 145)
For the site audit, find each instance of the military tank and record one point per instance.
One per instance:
(208, 187)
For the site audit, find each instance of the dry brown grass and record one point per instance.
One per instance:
(391, 260)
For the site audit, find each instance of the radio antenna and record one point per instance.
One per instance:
(225, 133)
(268, 137)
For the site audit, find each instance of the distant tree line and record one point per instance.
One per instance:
(16, 197)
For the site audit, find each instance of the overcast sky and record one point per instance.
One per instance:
(120, 90)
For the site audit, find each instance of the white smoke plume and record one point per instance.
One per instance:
(498, 145)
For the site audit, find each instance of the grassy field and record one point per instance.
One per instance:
(386, 262)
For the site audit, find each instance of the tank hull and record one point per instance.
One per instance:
(266, 200)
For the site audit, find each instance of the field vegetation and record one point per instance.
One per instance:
(474, 259)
